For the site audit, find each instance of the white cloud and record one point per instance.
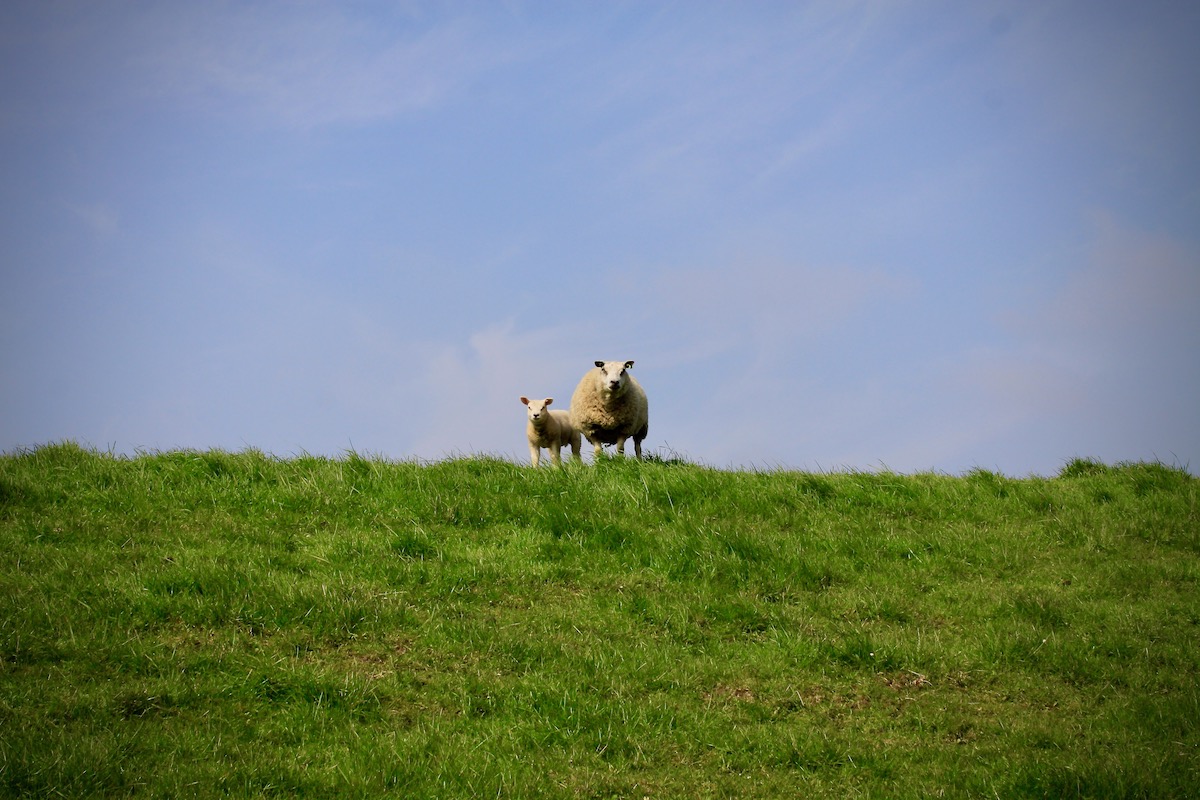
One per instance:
(465, 398)
(1130, 292)
(770, 306)
(691, 104)
(1091, 368)
(297, 65)
(311, 74)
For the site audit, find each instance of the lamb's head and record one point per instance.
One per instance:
(537, 409)
(613, 377)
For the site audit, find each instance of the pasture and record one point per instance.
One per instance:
(209, 624)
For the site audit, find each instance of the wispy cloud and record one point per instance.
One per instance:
(1092, 365)
(315, 64)
(281, 64)
(101, 219)
(1127, 291)
(700, 100)
(769, 306)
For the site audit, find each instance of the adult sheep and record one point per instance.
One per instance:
(609, 406)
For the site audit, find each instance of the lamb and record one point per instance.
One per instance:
(549, 429)
(609, 406)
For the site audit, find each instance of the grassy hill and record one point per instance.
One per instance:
(208, 624)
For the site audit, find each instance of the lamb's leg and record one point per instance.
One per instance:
(555, 454)
(535, 454)
(576, 442)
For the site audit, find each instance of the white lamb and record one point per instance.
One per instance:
(549, 429)
(609, 406)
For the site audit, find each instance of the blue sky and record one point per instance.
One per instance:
(903, 235)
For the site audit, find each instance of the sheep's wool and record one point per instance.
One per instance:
(609, 406)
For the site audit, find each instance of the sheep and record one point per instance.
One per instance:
(609, 406)
(549, 429)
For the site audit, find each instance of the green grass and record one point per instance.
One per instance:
(214, 624)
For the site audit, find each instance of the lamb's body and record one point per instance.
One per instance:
(609, 406)
(549, 429)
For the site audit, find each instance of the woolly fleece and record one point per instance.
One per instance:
(549, 429)
(610, 406)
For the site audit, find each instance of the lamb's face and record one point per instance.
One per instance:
(613, 375)
(537, 408)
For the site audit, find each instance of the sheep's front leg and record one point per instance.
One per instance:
(556, 454)
(535, 454)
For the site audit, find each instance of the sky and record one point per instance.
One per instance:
(906, 236)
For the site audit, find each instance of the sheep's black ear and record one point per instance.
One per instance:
(600, 364)
(549, 400)
(524, 401)
(628, 365)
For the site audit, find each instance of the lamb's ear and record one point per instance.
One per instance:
(628, 365)
(549, 400)
(600, 364)
(524, 401)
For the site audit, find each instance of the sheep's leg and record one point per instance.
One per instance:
(621, 445)
(576, 443)
(555, 454)
(535, 454)
(637, 448)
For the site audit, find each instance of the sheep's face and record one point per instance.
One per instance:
(537, 408)
(613, 375)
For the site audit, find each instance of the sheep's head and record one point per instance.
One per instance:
(613, 375)
(537, 408)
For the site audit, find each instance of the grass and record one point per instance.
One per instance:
(212, 624)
